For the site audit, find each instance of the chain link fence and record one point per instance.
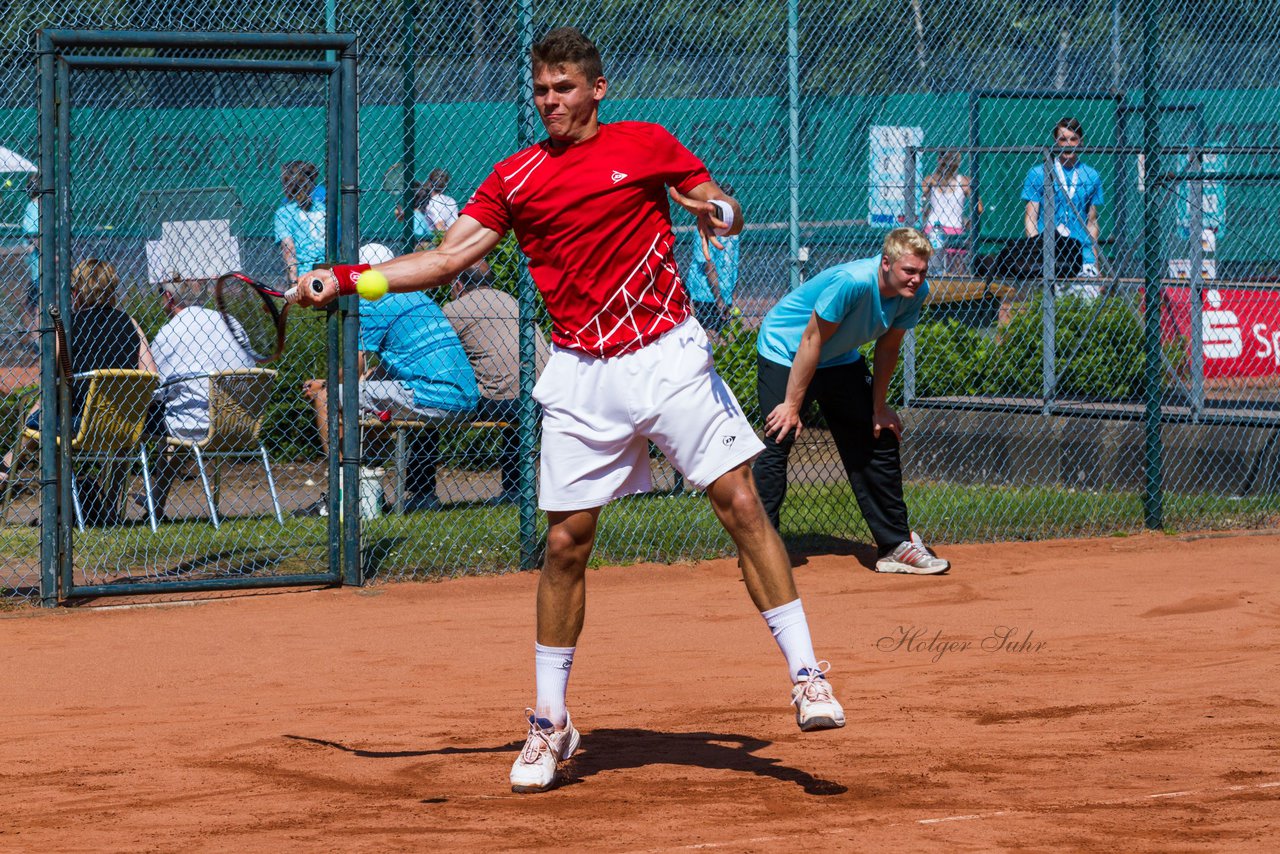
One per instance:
(1038, 401)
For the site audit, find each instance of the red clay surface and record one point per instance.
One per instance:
(1142, 715)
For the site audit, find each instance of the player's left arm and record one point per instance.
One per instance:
(883, 416)
(714, 221)
(1091, 225)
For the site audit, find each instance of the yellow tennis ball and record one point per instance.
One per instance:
(372, 285)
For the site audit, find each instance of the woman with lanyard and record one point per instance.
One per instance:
(1077, 195)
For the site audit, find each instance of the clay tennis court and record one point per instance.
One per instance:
(1138, 712)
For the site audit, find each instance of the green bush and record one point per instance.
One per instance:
(1098, 350)
(735, 357)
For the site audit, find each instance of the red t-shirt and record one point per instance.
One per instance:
(593, 220)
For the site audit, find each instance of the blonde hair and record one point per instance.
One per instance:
(903, 241)
(94, 282)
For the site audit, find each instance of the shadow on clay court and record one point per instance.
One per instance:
(509, 747)
(619, 749)
(801, 546)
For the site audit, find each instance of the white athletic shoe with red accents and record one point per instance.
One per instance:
(816, 706)
(912, 557)
(537, 768)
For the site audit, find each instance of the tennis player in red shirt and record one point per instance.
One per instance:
(589, 207)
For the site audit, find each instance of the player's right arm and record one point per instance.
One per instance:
(465, 243)
(785, 417)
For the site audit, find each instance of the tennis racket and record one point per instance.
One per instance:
(256, 314)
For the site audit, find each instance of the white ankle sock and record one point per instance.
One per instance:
(551, 669)
(791, 631)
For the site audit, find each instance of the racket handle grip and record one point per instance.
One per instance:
(291, 295)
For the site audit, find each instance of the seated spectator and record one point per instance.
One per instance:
(100, 336)
(422, 374)
(433, 211)
(194, 343)
(711, 283)
(487, 321)
(1077, 195)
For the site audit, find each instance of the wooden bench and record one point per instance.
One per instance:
(399, 429)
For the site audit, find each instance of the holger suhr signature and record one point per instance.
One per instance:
(936, 644)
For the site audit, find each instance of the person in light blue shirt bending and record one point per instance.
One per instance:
(807, 351)
(711, 283)
(299, 223)
(1077, 195)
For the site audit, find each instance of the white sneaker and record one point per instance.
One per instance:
(816, 708)
(912, 557)
(536, 769)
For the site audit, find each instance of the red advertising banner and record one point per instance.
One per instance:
(1240, 328)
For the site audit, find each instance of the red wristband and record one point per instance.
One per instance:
(347, 276)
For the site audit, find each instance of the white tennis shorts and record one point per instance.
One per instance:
(598, 416)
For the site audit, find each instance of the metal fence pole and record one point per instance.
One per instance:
(408, 119)
(1153, 494)
(49, 527)
(1048, 302)
(62, 283)
(793, 140)
(346, 165)
(1195, 229)
(526, 128)
(333, 349)
(909, 218)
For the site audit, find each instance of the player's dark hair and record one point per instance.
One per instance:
(1070, 124)
(568, 46)
(299, 178)
(33, 185)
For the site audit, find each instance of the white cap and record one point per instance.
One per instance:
(375, 253)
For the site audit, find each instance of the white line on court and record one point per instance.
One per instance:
(1110, 802)
(844, 831)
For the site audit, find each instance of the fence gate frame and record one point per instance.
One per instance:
(335, 58)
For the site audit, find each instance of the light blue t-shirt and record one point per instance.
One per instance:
(726, 261)
(419, 348)
(306, 228)
(847, 294)
(1075, 190)
(31, 229)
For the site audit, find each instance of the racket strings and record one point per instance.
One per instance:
(253, 318)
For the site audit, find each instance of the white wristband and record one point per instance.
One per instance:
(725, 211)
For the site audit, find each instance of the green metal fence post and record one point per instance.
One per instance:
(408, 118)
(793, 140)
(347, 171)
(526, 129)
(1152, 495)
(49, 542)
(62, 284)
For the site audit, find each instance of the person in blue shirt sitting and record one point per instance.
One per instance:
(1077, 195)
(807, 351)
(711, 283)
(423, 374)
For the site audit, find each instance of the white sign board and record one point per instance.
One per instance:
(192, 249)
(888, 162)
